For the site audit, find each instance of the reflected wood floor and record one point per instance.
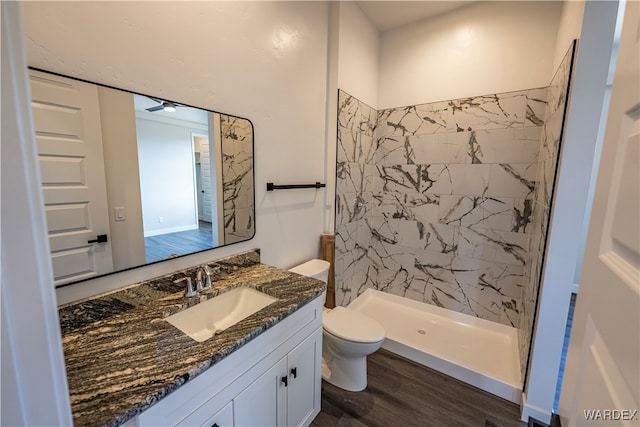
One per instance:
(162, 246)
(403, 393)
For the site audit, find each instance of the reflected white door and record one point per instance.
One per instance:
(67, 123)
(602, 377)
(205, 178)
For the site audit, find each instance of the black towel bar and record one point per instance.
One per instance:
(271, 186)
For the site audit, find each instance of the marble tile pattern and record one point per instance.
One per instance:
(121, 357)
(550, 144)
(237, 178)
(434, 201)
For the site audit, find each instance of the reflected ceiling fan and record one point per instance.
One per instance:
(167, 106)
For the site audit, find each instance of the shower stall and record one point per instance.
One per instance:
(447, 204)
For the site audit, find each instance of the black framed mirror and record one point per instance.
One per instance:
(130, 179)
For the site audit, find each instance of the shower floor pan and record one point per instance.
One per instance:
(476, 351)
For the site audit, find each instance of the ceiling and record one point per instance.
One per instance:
(387, 15)
(189, 114)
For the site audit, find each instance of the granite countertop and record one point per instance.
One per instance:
(121, 356)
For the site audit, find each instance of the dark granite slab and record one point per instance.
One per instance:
(122, 357)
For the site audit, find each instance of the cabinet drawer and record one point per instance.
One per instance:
(202, 416)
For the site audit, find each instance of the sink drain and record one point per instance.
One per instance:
(422, 332)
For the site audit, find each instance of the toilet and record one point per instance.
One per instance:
(348, 337)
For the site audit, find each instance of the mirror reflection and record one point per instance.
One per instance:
(130, 179)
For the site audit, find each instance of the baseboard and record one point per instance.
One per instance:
(530, 411)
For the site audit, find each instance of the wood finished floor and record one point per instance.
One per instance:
(162, 246)
(404, 393)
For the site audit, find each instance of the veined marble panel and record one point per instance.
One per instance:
(548, 180)
(452, 187)
(491, 245)
(536, 106)
(470, 286)
(522, 215)
(519, 145)
(466, 211)
(501, 214)
(349, 148)
(559, 87)
(348, 112)
(448, 148)
(551, 136)
(548, 157)
(393, 150)
(415, 120)
(516, 180)
(354, 178)
(355, 115)
(415, 206)
(426, 179)
(350, 250)
(383, 230)
(237, 178)
(499, 111)
(471, 180)
(484, 289)
(368, 120)
(351, 207)
(430, 237)
(369, 149)
(436, 178)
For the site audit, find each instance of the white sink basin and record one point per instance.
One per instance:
(204, 320)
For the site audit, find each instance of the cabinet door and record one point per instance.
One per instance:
(303, 394)
(263, 403)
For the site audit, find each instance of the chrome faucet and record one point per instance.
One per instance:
(190, 292)
(199, 280)
(204, 268)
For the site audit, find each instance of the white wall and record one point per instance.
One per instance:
(568, 29)
(564, 245)
(167, 176)
(358, 57)
(483, 48)
(118, 124)
(266, 61)
(33, 382)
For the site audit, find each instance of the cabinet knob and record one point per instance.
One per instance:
(285, 380)
(215, 425)
(294, 372)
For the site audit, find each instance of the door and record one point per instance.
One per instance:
(67, 124)
(303, 394)
(204, 178)
(602, 377)
(263, 403)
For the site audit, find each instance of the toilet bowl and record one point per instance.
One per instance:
(348, 337)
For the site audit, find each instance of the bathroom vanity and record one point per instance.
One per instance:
(127, 365)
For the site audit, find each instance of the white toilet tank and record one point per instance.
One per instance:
(315, 268)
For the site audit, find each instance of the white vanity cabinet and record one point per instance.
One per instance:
(286, 394)
(274, 380)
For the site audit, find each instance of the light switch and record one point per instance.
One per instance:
(119, 213)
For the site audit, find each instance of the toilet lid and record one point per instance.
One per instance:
(351, 325)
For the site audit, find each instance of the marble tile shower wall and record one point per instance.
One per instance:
(434, 201)
(237, 178)
(545, 177)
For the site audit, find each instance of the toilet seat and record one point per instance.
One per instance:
(353, 326)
